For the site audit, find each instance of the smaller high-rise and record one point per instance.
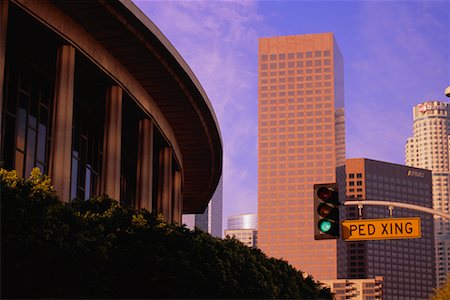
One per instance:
(244, 228)
(429, 148)
(356, 289)
(406, 265)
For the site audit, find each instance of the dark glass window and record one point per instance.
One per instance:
(27, 93)
(87, 151)
(89, 107)
(27, 117)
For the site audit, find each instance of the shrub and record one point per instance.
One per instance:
(97, 249)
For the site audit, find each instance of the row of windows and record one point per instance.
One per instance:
(300, 100)
(352, 175)
(283, 122)
(272, 83)
(292, 79)
(298, 93)
(317, 85)
(310, 137)
(300, 114)
(441, 122)
(273, 131)
(298, 64)
(283, 180)
(309, 164)
(303, 179)
(297, 55)
(295, 172)
(300, 150)
(286, 73)
(264, 153)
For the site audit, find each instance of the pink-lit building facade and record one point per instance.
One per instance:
(301, 141)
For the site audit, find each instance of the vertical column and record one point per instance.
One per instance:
(3, 28)
(165, 183)
(112, 143)
(144, 177)
(177, 197)
(61, 151)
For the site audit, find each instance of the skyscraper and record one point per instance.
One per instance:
(406, 265)
(429, 148)
(301, 142)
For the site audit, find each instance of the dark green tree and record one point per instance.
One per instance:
(96, 249)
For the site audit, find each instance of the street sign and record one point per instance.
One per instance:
(381, 229)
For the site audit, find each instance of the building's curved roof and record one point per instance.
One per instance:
(122, 29)
(243, 221)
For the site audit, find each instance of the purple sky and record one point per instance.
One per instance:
(396, 55)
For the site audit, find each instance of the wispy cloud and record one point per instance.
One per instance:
(219, 42)
(396, 55)
(401, 62)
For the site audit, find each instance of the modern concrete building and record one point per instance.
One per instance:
(406, 265)
(94, 95)
(211, 219)
(244, 228)
(301, 141)
(429, 148)
(356, 289)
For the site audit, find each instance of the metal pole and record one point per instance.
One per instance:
(398, 204)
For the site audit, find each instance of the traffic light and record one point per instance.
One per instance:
(326, 211)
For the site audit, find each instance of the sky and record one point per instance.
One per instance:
(396, 55)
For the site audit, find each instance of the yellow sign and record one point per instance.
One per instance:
(381, 229)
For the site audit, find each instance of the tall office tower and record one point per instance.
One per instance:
(406, 265)
(301, 141)
(429, 148)
(244, 228)
(211, 219)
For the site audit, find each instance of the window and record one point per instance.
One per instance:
(27, 116)
(87, 129)
(87, 141)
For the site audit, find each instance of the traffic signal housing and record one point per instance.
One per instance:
(326, 211)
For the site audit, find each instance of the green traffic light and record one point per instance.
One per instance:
(326, 211)
(325, 225)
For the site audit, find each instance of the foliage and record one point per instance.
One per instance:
(97, 249)
(442, 293)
